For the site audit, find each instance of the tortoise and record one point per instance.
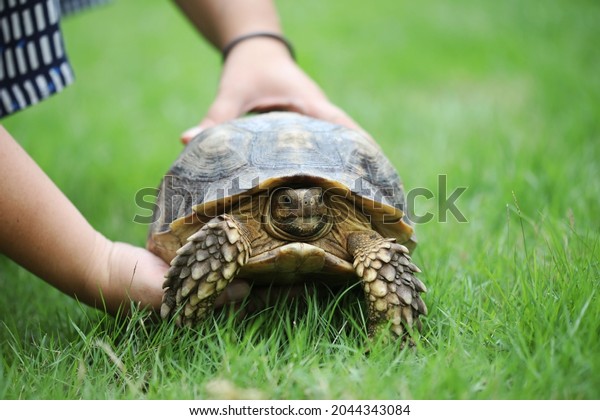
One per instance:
(281, 198)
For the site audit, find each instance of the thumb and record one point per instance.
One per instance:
(220, 111)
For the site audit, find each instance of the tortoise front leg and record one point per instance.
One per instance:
(389, 283)
(202, 269)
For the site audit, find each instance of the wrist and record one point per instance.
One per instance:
(252, 36)
(259, 49)
(98, 290)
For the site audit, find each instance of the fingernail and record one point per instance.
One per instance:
(191, 133)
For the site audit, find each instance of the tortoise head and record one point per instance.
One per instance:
(298, 214)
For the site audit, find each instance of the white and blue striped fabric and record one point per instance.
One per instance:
(33, 62)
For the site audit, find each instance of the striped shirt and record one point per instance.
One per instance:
(33, 61)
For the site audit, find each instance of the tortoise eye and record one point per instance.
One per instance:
(285, 199)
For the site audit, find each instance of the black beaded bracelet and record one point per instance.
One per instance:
(227, 49)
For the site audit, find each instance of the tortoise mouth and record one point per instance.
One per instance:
(303, 227)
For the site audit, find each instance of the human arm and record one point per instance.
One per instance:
(43, 231)
(259, 73)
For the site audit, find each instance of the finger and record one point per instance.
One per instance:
(256, 298)
(274, 103)
(222, 109)
(269, 295)
(235, 292)
(333, 114)
(190, 133)
(325, 111)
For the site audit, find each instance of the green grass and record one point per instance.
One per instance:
(502, 97)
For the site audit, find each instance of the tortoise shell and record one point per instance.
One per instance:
(250, 155)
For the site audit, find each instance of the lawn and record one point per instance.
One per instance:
(502, 98)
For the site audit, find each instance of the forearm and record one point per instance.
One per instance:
(221, 21)
(42, 231)
(259, 73)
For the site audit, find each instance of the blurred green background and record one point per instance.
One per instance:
(502, 97)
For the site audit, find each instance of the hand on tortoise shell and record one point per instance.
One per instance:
(259, 75)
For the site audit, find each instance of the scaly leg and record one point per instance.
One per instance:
(389, 283)
(202, 269)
